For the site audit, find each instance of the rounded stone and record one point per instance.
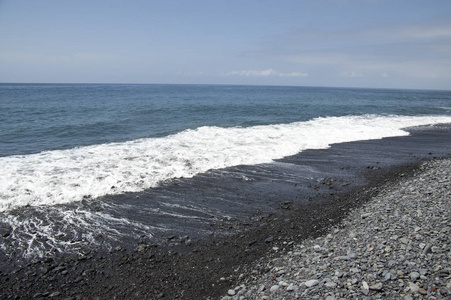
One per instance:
(274, 288)
(311, 283)
(231, 292)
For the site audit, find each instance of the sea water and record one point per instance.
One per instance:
(63, 143)
(59, 143)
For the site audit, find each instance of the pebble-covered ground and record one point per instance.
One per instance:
(397, 246)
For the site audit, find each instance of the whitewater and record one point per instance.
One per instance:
(87, 172)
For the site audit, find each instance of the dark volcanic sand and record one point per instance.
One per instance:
(345, 176)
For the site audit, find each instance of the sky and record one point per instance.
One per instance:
(339, 43)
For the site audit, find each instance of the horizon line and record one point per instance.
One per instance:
(228, 84)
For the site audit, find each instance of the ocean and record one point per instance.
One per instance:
(97, 164)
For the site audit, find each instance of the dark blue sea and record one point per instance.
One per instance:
(45, 117)
(66, 144)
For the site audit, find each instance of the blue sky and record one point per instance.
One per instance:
(349, 43)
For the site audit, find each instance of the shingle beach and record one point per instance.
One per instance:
(396, 246)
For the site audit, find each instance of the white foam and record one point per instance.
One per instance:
(36, 236)
(65, 176)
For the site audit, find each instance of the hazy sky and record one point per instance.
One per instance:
(350, 43)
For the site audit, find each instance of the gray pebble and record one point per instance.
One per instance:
(394, 247)
(274, 288)
(311, 283)
(231, 292)
(414, 276)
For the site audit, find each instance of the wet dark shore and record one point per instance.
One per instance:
(245, 212)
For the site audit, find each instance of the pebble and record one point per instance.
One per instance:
(376, 287)
(5, 230)
(331, 284)
(231, 292)
(274, 288)
(269, 240)
(311, 283)
(414, 276)
(54, 294)
(396, 246)
(292, 288)
(413, 287)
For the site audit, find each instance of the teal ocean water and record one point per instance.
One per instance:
(92, 166)
(62, 142)
(43, 117)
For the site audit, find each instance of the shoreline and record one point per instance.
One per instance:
(396, 246)
(207, 268)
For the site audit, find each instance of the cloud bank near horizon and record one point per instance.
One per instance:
(264, 73)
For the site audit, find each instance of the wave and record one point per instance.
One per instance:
(64, 176)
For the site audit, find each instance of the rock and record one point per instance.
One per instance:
(339, 273)
(414, 276)
(376, 287)
(119, 249)
(387, 276)
(274, 288)
(343, 257)
(364, 216)
(423, 271)
(330, 284)
(253, 242)
(292, 288)
(269, 240)
(231, 292)
(317, 248)
(54, 294)
(311, 283)
(427, 249)
(404, 240)
(59, 269)
(413, 287)
(422, 291)
(443, 291)
(5, 230)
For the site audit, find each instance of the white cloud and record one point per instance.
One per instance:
(408, 51)
(351, 74)
(408, 61)
(265, 73)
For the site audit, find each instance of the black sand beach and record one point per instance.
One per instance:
(281, 203)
